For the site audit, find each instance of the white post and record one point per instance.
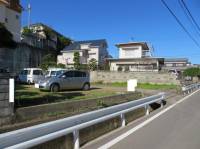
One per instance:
(161, 104)
(123, 121)
(11, 90)
(147, 109)
(76, 139)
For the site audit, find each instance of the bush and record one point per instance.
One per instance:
(61, 66)
(119, 68)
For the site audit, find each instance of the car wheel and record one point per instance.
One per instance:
(55, 88)
(86, 86)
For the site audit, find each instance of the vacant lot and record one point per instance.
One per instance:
(27, 95)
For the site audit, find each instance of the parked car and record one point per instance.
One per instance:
(71, 79)
(30, 75)
(53, 72)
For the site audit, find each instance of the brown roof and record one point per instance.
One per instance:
(143, 44)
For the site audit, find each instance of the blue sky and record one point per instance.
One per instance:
(120, 21)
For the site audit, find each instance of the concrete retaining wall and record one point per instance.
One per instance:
(142, 77)
(72, 107)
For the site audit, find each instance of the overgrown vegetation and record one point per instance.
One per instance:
(27, 31)
(63, 42)
(50, 61)
(6, 38)
(192, 72)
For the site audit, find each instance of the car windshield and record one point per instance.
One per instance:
(25, 72)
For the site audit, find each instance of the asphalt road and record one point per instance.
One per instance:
(177, 128)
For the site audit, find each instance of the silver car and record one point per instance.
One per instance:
(71, 79)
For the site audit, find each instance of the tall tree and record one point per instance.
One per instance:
(76, 60)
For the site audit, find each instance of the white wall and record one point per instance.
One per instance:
(130, 52)
(13, 23)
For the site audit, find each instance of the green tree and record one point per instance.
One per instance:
(76, 60)
(48, 61)
(6, 37)
(63, 42)
(93, 64)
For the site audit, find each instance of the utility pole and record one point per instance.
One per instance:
(29, 15)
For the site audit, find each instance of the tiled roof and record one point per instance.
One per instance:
(76, 45)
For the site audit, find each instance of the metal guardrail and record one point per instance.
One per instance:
(38, 134)
(189, 88)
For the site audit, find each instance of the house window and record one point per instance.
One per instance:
(92, 53)
(17, 17)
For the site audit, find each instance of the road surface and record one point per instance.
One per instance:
(176, 128)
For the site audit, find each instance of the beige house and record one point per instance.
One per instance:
(10, 16)
(88, 50)
(135, 56)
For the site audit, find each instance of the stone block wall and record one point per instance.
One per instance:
(142, 77)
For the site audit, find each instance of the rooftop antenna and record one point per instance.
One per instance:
(29, 15)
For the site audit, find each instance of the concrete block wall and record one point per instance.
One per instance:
(142, 77)
(6, 109)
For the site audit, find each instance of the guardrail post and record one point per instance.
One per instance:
(147, 109)
(76, 139)
(123, 121)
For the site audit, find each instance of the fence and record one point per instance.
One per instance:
(35, 135)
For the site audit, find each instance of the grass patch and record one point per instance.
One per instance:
(157, 86)
(143, 85)
(26, 95)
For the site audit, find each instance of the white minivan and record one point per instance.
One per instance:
(31, 75)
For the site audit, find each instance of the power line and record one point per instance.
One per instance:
(190, 14)
(189, 17)
(179, 22)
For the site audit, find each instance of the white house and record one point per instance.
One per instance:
(135, 56)
(88, 49)
(10, 16)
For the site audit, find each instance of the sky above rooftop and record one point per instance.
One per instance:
(120, 21)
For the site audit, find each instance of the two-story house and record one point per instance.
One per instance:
(135, 56)
(10, 16)
(88, 50)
